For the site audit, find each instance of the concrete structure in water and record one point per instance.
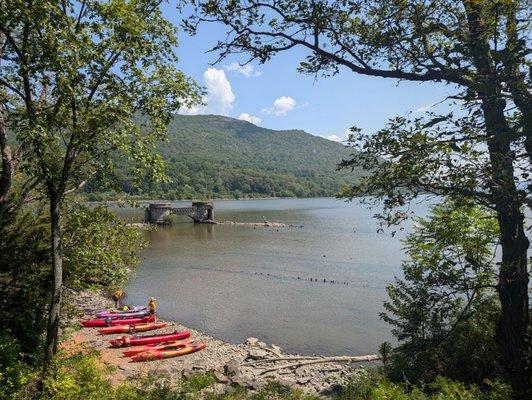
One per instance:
(159, 213)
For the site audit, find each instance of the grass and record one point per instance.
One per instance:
(197, 382)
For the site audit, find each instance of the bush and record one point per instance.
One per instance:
(99, 250)
(25, 275)
(444, 310)
(80, 376)
(373, 386)
(14, 373)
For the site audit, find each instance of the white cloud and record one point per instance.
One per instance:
(250, 118)
(281, 106)
(219, 98)
(335, 138)
(247, 70)
(424, 108)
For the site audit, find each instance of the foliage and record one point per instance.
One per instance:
(444, 309)
(385, 350)
(197, 382)
(100, 251)
(415, 156)
(24, 274)
(371, 386)
(77, 377)
(211, 156)
(82, 376)
(14, 373)
(75, 73)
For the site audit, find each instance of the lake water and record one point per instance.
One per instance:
(234, 281)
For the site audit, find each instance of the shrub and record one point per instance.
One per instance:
(373, 386)
(14, 373)
(444, 310)
(79, 376)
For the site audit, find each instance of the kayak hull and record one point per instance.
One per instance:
(132, 310)
(153, 354)
(155, 346)
(99, 322)
(131, 328)
(136, 314)
(126, 341)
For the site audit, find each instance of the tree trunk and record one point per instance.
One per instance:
(512, 335)
(512, 332)
(6, 173)
(52, 333)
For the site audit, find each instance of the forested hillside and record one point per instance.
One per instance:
(216, 156)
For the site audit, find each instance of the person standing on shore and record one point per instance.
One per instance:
(118, 295)
(152, 305)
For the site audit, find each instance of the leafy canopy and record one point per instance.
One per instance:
(75, 73)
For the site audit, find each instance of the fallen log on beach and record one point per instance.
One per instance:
(315, 360)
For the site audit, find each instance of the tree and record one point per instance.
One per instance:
(480, 48)
(100, 249)
(442, 309)
(74, 76)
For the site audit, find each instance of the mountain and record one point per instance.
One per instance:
(214, 156)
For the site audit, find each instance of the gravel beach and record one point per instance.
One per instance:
(244, 364)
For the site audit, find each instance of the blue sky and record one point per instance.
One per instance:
(274, 95)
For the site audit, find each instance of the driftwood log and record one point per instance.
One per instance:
(303, 361)
(281, 358)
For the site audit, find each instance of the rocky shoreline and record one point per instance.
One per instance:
(250, 364)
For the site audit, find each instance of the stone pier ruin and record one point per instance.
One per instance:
(199, 211)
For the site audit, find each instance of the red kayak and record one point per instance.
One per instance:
(93, 323)
(131, 328)
(126, 341)
(173, 351)
(133, 351)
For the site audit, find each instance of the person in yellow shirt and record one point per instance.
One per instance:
(152, 305)
(118, 295)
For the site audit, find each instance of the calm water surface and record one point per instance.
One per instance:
(234, 282)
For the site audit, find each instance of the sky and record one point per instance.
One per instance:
(275, 96)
